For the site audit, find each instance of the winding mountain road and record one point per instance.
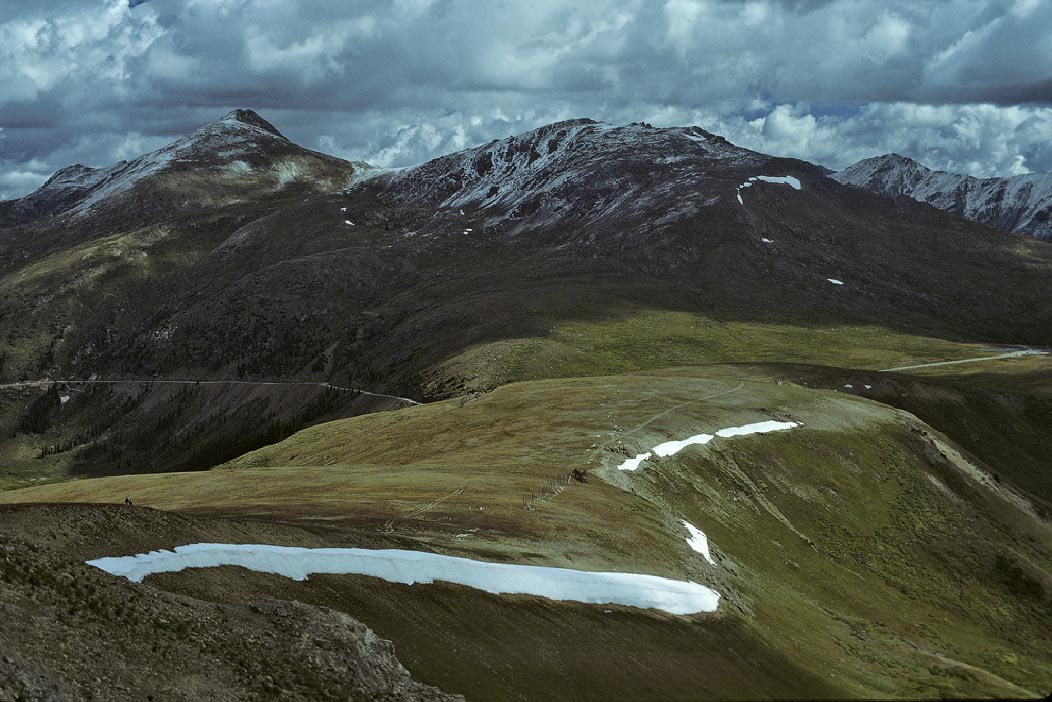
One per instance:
(1011, 354)
(44, 383)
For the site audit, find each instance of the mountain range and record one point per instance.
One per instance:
(586, 347)
(235, 254)
(1020, 204)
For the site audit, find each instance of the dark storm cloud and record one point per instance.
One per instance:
(959, 84)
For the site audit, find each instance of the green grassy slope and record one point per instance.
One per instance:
(862, 546)
(648, 338)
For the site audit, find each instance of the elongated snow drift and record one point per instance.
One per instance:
(670, 448)
(409, 567)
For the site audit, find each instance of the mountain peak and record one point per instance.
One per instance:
(567, 177)
(888, 161)
(896, 158)
(903, 170)
(251, 118)
(77, 175)
(1019, 204)
(240, 146)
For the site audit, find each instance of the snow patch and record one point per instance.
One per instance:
(288, 172)
(698, 541)
(633, 463)
(410, 567)
(834, 281)
(669, 448)
(238, 167)
(347, 221)
(766, 241)
(792, 182)
(756, 428)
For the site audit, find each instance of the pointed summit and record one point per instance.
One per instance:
(249, 117)
(895, 173)
(239, 147)
(895, 159)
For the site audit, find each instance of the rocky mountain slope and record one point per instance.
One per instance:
(239, 148)
(421, 282)
(570, 180)
(1021, 204)
(72, 633)
(239, 158)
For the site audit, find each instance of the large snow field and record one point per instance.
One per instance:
(409, 567)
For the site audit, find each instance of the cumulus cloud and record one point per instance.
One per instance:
(981, 140)
(958, 84)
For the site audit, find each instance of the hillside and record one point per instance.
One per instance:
(388, 287)
(236, 160)
(638, 355)
(860, 553)
(72, 632)
(237, 157)
(1020, 204)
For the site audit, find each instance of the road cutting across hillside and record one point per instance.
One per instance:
(44, 383)
(1011, 354)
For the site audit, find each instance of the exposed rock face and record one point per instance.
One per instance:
(1021, 204)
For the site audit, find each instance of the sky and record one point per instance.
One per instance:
(960, 85)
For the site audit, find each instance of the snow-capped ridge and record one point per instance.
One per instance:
(238, 146)
(1019, 204)
(569, 176)
(234, 134)
(76, 176)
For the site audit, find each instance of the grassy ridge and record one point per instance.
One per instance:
(849, 545)
(649, 339)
